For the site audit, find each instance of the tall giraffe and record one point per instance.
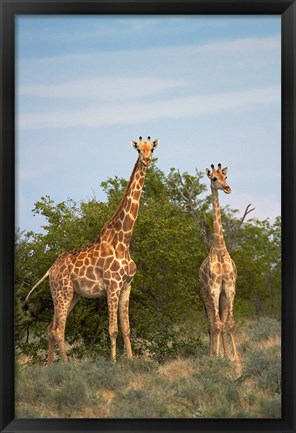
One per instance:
(218, 274)
(103, 266)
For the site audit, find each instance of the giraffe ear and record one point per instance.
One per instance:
(134, 144)
(209, 173)
(155, 143)
(225, 170)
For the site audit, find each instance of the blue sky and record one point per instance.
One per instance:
(208, 87)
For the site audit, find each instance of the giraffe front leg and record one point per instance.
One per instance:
(124, 318)
(217, 323)
(212, 312)
(113, 300)
(224, 312)
(230, 324)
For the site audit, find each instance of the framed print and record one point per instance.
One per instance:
(147, 155)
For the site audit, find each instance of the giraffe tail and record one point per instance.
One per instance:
(36, 285)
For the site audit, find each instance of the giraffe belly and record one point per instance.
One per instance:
(89, 289)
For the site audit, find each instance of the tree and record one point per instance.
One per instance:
(259, 259)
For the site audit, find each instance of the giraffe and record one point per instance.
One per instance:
(104, 266)
(218, 274)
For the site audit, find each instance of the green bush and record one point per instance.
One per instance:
(27, 412)
(69, 395)
(139, 364)
(265, 365)
(58, 373)
(271, 407)
(30, 386)
(103, 373)
(265, 328)
(140, 403)
(168, 344)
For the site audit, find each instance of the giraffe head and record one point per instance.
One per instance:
(145, 149)
(218, 178)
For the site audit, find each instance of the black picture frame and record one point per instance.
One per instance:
(9, 9)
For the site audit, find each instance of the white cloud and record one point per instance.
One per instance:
(127, 113)
(213, 65)
(30, 173)
(266, 206)
(247, 44)
(102, 88)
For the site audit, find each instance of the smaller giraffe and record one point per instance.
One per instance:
(218, 275)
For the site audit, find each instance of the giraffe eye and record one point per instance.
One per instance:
(214, 179)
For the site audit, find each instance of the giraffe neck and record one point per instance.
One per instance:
(219, 241)
(122, 223)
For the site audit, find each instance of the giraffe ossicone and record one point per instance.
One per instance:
(218, 275)
(104, 266)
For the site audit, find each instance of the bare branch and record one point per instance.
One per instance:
(233, 234)
(247, 211)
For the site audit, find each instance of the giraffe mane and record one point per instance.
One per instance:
(125, 194)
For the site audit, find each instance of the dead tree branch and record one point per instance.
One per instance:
(187, 195)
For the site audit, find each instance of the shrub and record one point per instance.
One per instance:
(27, 412)
(265, 328)
(58, 373)
(102, 373)
(139, 364)
(29, 388)
(266, 367)
(71, 395)
(271, 407)
(167, 344)
(187, 397)
(140, 403)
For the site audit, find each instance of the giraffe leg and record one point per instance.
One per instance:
(230, 324)
(211, 320)
(217, 325)
(74, 301)
(62, 306)
(224, 311)
(211, 300)
(113, 300)
(124, 318)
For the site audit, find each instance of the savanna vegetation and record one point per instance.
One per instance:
(168, 325)
(183, 386)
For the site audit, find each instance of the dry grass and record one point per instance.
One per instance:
(174, 370)
(192, 387)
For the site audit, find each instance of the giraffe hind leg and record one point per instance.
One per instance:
(211, 320)
(56, 330)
